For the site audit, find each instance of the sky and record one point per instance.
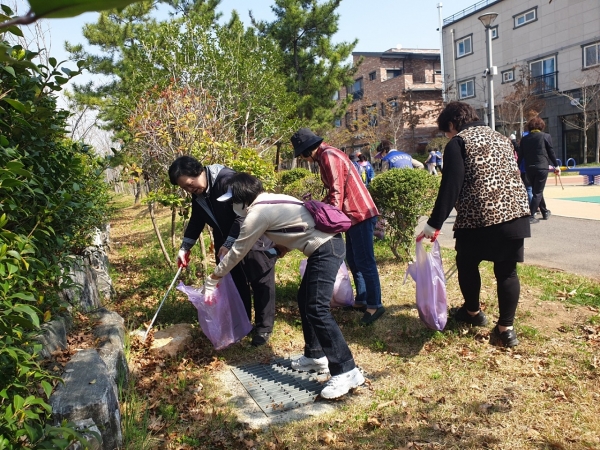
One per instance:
(377, 24)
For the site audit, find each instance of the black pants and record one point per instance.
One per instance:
(263, 288)
(537, 178)
(508, 285)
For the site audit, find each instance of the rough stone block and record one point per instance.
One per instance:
(53, 336)
(85, 292)
(172, 340)
(85, 427)
(88, 392)
(110, 335)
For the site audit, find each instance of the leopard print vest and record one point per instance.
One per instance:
(492, 191)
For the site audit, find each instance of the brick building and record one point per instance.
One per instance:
(396, 95)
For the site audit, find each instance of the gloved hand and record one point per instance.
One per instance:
(210, 285)
(428, 232)
(183, 258)
(222, 252)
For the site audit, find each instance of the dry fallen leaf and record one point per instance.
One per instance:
(327, 437)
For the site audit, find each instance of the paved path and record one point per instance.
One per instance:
(569, 240)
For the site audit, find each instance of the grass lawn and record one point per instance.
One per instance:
(425, 389)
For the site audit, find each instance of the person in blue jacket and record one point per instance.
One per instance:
(366, 165)
(395, 159)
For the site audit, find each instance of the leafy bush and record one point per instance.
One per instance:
(310, 184)
(402, 196)
(437, 144)
(288, 177)
(52, 197)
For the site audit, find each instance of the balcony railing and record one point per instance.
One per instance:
(544, 83)
(468, 11)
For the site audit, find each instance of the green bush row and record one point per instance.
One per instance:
(51, 198)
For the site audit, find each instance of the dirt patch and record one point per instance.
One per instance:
(552, 317)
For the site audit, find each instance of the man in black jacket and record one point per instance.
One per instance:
(256, 273)
(536, 149)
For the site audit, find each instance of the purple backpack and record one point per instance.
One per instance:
(328, 218)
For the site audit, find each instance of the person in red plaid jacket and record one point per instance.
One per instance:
(346, 191)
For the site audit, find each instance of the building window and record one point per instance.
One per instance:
(495, 32)
(508, 76)
(337, 123)
(336, 96)
(392, 73)
(543, 75)
(591, 55)
(356, 90)
(372, 76)
(464, 46)
(348, 119)
(525, 17)
(372, 112)
(466, 89)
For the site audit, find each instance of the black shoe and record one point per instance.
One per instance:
(368, 318)
(259, 339)
(507, 338)
(361, 309)
(546, 215)
(461, 315)
(532, 219)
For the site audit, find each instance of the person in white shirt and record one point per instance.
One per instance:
(286, 221)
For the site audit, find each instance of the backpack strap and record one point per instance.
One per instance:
(284, 230)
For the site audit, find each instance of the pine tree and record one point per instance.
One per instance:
(315, 67)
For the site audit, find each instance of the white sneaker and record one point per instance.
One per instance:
(304, 364)
(340, 384)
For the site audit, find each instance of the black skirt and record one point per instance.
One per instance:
(502, 242)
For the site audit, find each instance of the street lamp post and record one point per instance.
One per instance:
(487, 20)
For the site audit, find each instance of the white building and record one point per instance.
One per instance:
(551, 46)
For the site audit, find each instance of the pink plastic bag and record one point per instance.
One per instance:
(343, 295)
(224, 320)
(428, 273)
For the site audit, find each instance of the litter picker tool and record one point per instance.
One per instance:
(161, 303)
(560, 179)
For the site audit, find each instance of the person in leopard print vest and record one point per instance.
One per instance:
(481, 180)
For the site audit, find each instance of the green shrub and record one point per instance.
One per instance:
(52, 197)
(402, 196)
(290, 176)
(310, 184)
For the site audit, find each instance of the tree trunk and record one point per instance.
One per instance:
(157, 232)
(138, 192)
(173, 225)
(278, 157)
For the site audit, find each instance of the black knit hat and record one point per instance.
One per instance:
(304, 139)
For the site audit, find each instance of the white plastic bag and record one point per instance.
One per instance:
(343, 295)
(428, 273)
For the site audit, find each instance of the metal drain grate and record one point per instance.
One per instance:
(276, 388)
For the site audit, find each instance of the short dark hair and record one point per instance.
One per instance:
(184, 166)
(245, 188)
(536, 123)
(362, 157)
(384, 146)
(457, 113)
